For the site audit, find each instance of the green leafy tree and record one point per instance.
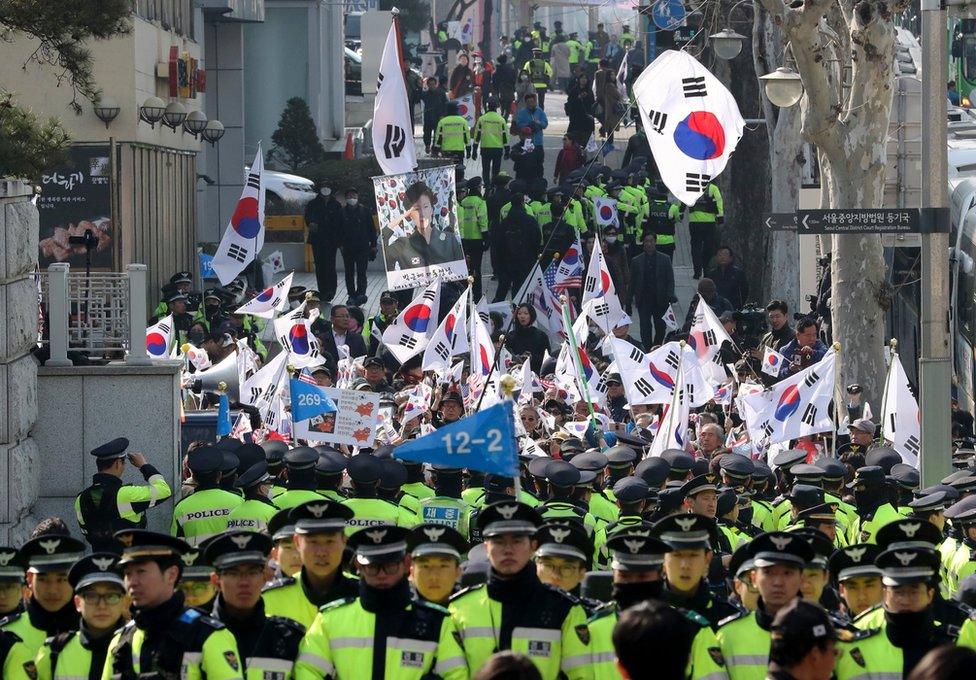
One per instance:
(61, 30)
(296, 143)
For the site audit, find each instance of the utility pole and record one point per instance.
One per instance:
(935, 365)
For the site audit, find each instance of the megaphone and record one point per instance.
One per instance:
(224, 372)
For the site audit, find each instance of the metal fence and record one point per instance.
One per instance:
(100, 314)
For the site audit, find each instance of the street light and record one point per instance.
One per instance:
(783, 87)
(107, 110)
(174, 115)
(152, 110)
(727, 43)
(195, 123)
(213, 132)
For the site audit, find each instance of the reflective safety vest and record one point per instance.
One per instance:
(551, 510)
(452, 512)
(20, 625)
(370, 512)
(292, 498)
(251, 515)
(539, 72)
(452, 134)
(16, 661)
(868, 656)
(592, 53)
(546, 46)
(209, 650)
(108, 505)
(601, 556)
(473, 216)
(574, 217)
(603, 508)
(659, 221)
(63, 657)
(502, 214)
(547, 632)
(575, 50)
(203, 514)
(962, 563)
(948, 551)
(542, 211)
(704, 663)
(745, 647)
(491, 131)
(287, 597)
(863, 531)
(341, 644)
(418, 490)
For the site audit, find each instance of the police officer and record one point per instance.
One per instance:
(598, 503)
(274, 454)
(495, 616)
(779, 558)
(637, 561)
(397, 635)
(205, 512)
(100, 599)
(16, 662)
(181, 282)
(196, 581)
(540, 73)
(473, 215)
(445, 507)
(452, 136)
(108, 505)
(256, 510)
(691, 538)
(703, 218)
(491, 133)
(176, 302)
(564, 554)
(11, 582)
(319, 539)
(575, 53)
(368, 509)
(284, 556)
(328, 473)
(858, 580)
(50, 609)
(393, 476)
(300, 485)
(436, 552)
(268, 645)
(803, 643)
(165, 637)
(563, 478)
(632, 493)
(871, 500)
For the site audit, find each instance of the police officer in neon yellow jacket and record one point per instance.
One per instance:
(515, 610)
(384, 632)
(744, 639)
(637, 563)
(205, 512)
(165, 637)
(100, 599)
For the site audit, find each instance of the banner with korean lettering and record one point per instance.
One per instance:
(76, 197)
(419, 231)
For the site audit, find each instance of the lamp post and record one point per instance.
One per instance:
(152, 110)
(107, 110)
(727, 43)
(783, 87)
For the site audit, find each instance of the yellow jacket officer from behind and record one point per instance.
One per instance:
(408, 638)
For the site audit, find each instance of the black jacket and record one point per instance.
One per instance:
(731, 284)
(503, 82)
(354, 341)
(435, 103)
(520, 236)
(326, 215)
(528, 340)
(659, 292)
(358, 233)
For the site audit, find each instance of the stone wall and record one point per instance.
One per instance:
(19, 476)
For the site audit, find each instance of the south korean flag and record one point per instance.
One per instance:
(268, 301)
(410, 332)
(693, 123)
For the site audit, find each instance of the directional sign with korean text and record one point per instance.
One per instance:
(859, 221)
(780, 221)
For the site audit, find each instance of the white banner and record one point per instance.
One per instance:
(354, 423)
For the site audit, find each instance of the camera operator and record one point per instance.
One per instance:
(805, 349)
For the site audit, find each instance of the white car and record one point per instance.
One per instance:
(285, 194)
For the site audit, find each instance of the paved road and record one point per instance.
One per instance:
(685, 286)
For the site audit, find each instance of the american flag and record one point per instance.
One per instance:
(306, 377)
(549, 276)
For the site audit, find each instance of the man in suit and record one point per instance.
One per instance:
(339, 334)
(652, 290)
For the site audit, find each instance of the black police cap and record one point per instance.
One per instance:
(799, 623)
(508, 517)
(12, 566)
(884, 457)
(821, 545)
(736, 467)
(330, 462)
(393, 474)
(280, 526)
(113, 449)
(698, 484)
(364, 468)
(854, 560)
(320, 517)
(254, 475)
(678, 459)
(687, 531)
(653, 470)
(51, 553)
(181, 277)
(562, 474)
(205, 460)
(229, 463)
(952, 495)
(780, 547)
(807, 473)
(274, 450)
(787, 459)
(929, 503)
(901, 566)
(818, 514)
(175, 296)
(301, 458)
(141, 545)
(590, 461)
(379, 544)
(99, 567)
(437, 539)
(537, 466)
(631, 490)
(741, 562)
(908, 531)
(905, 476)
(833, 470)
(248, 455)
(631, 439)
(700, 466)
(726, 501)
(869, 475)
(806, 496)
(568, 539)
(964, 509)
(635, 548)
(234, 548)
(620, 456)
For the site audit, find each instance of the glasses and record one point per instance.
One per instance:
(564, 570)
(388, 568)
(97, 598)
(195, 586)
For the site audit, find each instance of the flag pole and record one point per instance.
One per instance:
(893, 343)
(676, 397)
(833, 440)
(574, 346)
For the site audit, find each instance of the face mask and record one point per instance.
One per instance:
(610, 239)
(352, 201)
(196, 337)
(325, 192)
(626, 595)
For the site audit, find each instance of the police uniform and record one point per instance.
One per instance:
(633, 549)
(328, 472)
(108, 505)
(294, 597)
(495, 616)
(256, 510)
(51, 554)
(381, 633)
(854, 561)
(435, 540)
(365, 471)
(689, 531)
(540, 73)
(300, 487)
(447, 510)
(16, 662)
(631, 492)
(12, 571)
(600, 506)
(745, 638)
(205, 512)
(169, 639)
(563, 475)
(268, 645)
(78, 653)
(864, 528)
(567, 541)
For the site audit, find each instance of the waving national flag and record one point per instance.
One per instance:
(706, 337)
(159, 337)
(772, 362)
(450, 338)
(672, 426)
(295, 336)
(482, 349)
(569, 272)
(901, 420)
(261, 389)
(651, 378)
(540, 295)
(599, 287)
(670, 320)
(605, 212)
(393, 143)
(794, 407)
(409, 333)
(692, 121)
(244, 236)
(196, 356)
(270, 300)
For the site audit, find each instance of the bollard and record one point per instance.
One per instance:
(137, 355)
(57, 314)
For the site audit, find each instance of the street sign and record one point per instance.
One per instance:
(780, 221)
(859, 221)
(668, 14)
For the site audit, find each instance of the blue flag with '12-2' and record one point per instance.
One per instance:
(484, 441)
